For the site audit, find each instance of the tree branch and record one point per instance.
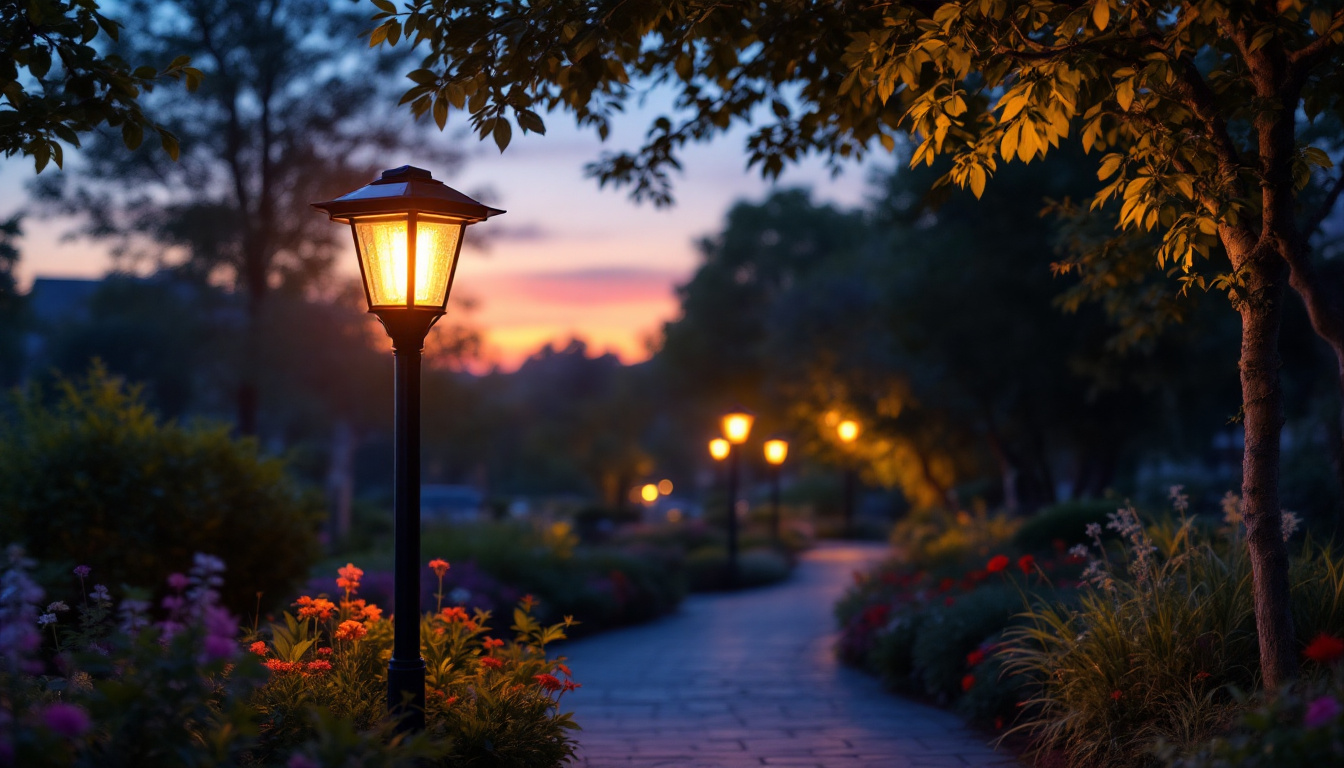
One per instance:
(1307, 54)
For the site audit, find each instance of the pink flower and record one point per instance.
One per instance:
(68, 720)
(83, 571)
(1321, 712)
(178, 581)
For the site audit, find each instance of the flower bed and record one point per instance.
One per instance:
(1129, 650)
(178, 684)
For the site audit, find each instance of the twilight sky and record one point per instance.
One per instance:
(568, 260)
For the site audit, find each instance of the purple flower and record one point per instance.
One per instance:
(178, 581)
(83, 571)
(219, 648)
(1322, 711)
(68, 720)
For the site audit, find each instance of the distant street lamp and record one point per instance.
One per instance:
(408, 231)
(776, 450)
(719, 448)
(848, 432)
(736, 428)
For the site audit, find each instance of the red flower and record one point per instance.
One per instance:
(1025, 563)
(998, 723)
(548, 683)
(491, 643)
(351, 630)
(324, 651)
(1203, 676)
(1116, 695)
(278, 666)
(439, 566)
(492, 662)
(967, 682)
(258, 648)
(975, 657)
(997, 563)
(564, 669)
(946, 584)
(319, 666)
(349, 577)
(454, 613)
(1324, 649)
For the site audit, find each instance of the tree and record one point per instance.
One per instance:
(11, 304)
(1192, 107)
(55, 85)
(286, 115)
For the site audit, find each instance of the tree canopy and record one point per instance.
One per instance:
(55, 82)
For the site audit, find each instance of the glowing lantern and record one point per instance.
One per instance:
(847, 430)
(718, 448)
(776, 450)
(737, 425)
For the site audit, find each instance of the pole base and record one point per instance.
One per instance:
(406, 694)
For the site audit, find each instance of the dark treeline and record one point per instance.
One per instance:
(980, 375)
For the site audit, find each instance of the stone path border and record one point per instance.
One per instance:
(749, 679)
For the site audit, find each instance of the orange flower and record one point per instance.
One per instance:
(491, 662)
(258, 648)
(1324, 649)
(564, 669)
(455, 613)
(548, 683)
(315, 608)
(529, 602)
(997, 563)
(967, 682)
(349, 577)
(351, 630)
(491, 643)
(439, 566)
(372, 613)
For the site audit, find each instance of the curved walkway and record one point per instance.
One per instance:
(749, 679)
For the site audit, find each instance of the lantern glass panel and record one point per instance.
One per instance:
(383, 249)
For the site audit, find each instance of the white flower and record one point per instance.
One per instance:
(1180, 501)
(1093, 530)
(1078, 550)
(57, 607)
(1289, 523)
(45, 619)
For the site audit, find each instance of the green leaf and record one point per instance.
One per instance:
(531, 121)
(503, 133)
(441, 112)
(169, 143)
(132, 134)
(385, 5)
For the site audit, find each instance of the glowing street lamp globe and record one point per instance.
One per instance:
(649, 493)
(737, 425)
(847, 430)
(719, 448)
(776, 450)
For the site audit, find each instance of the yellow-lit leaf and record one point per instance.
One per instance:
(977, 181)
(1101, 14)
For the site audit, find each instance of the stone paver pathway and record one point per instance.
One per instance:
(750, 679)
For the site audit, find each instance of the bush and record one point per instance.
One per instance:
(933, 539)
(948, 634)
(1062, 525)
(707, 568)
(96, 479)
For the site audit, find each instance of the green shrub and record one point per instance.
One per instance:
(933, 539)
(892, 656)
(707, 568)
(95, 478)
(949, 633)
(1300, 726)
(1064, 523)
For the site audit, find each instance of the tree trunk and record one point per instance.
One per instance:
(1261, 311)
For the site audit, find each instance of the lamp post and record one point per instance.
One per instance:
(408, 231)
(736, 425)
(776, 450)
(848, 432)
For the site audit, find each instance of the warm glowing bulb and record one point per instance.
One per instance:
(665, 487)
(649, 493)
(775, 451)
(848, 430)
(718, 448)
(736, 427)
(383, 248)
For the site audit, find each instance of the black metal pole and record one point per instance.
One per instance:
(774, 502)
(406, 669)
(850, 482)
(733, 468)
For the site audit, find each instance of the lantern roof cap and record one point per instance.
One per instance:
(406, 189)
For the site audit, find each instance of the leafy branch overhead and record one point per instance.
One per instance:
(56, 84)
(1163, 91)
